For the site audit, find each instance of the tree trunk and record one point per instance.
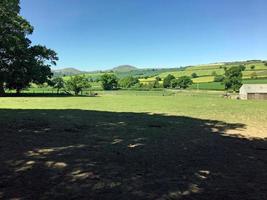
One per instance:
(2, 90)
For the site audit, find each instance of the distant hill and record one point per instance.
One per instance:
(124, 68)
(67, 72)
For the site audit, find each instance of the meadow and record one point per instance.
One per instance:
(133, 145)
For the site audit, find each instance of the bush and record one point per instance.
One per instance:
(183, 82)
(194, 75)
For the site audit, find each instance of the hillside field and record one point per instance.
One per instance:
(127, 145)
(205, 73)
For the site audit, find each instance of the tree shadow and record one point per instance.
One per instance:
(79, 154)
(44, 95)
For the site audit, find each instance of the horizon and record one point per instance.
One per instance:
(202, 64)
(100, 35)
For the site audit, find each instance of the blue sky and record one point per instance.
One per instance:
(101, 34)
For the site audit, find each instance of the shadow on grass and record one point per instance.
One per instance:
(76, 154)
(44, 95)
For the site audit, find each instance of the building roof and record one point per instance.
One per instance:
(254, 88)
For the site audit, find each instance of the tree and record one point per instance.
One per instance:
(128, 82)
(265, 63)
(109, 81)
(183, 82)
(194, 75)
(58, 83)
(167, 81)
(233, 78)
(252, 67)
(77, 84)
(158, 78)
(20, 63)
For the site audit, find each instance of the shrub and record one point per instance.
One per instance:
(194, 75)
(183, 82)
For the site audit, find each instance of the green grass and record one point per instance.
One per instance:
(132, 145)
(185, 104)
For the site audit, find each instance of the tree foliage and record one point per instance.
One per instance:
(109, 81)
(57, 83)
(233, 78)
(77, 84)
(182, 82)
(194, 75)
(167, 81)
(128, 82)
(20, 62)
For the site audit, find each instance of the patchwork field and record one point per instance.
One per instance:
(133, 145)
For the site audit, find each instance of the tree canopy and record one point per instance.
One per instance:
(20, 62)
(109, 81)
(233, 78)
(128, 82)
(167, 81)
(182, 82)
(77, 84)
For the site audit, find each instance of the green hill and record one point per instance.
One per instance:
(124, 68)
(67, 72)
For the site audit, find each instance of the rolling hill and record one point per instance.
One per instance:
(124, 68)
(67, 72)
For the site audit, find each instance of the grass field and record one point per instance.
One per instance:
(127, 145)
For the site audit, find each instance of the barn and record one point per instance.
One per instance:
(253, 91)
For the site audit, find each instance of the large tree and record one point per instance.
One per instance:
(77, 84)
(233, 78)
(167, 81)
(20, 62)
(109, 81)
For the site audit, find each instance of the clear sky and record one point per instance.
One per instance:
(100, 34)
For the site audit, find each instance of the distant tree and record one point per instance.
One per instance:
(158, 78)
(242, 67)
(214, 73)
(233, 78)
(58, 83)
(194, 75)
(253, 75)
(265, 63)
(77, 84)
(183, 82)
(167, 81)
(109, 81)
(252, 67)
(219, 78)
(128, 82)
